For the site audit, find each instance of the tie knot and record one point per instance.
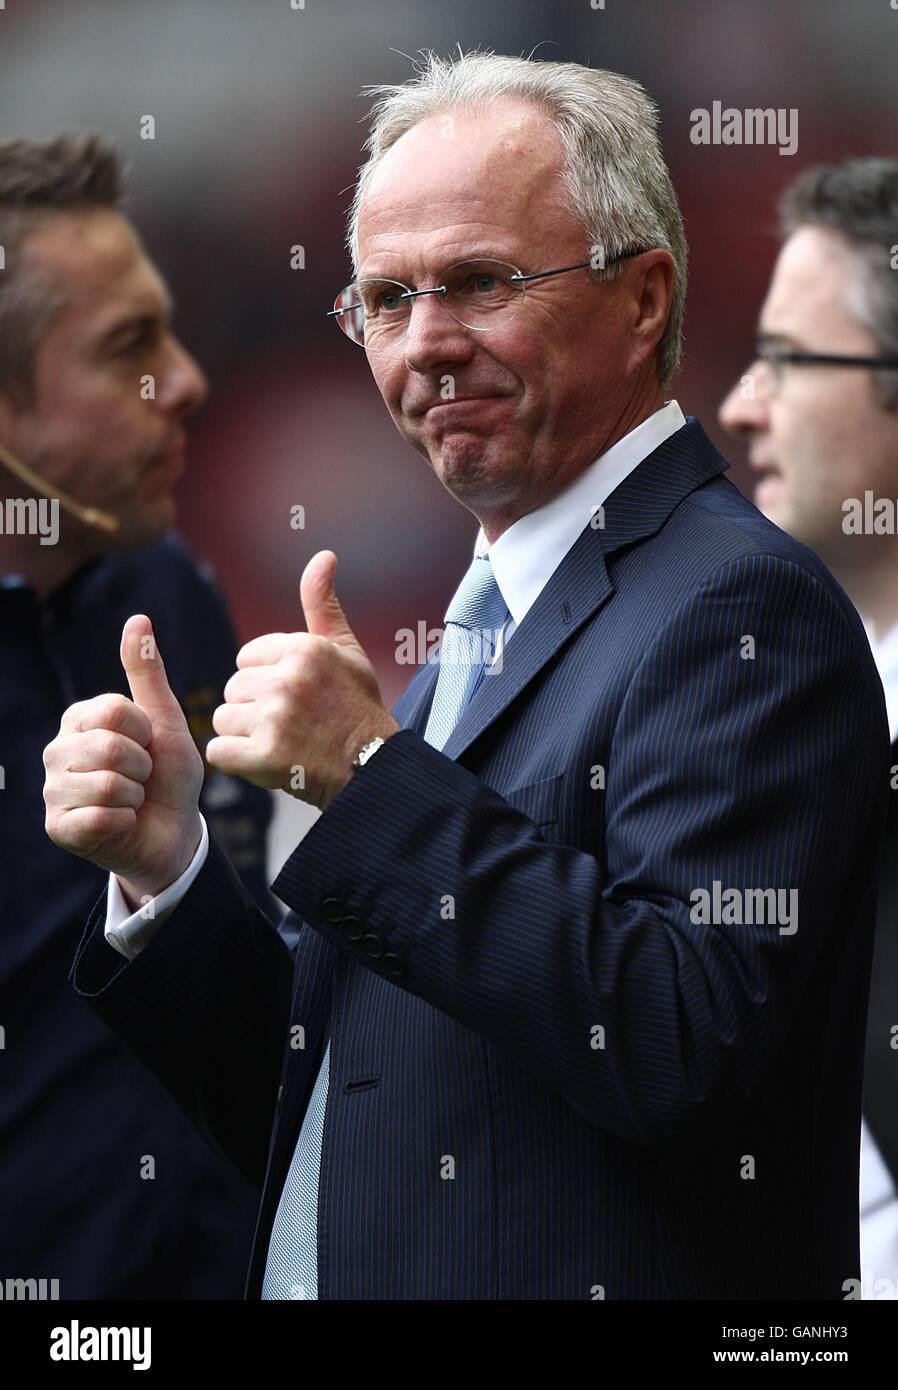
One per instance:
(478, 604)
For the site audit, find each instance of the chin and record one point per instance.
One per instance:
(776, 509)
(784, 517)
(146, 526)
(467, 463)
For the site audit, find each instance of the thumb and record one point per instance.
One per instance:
(322, 609)
(144, 668)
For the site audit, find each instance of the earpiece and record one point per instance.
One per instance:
(91, 516)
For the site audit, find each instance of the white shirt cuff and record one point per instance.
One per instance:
(128, 932)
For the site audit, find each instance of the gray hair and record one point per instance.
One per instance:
(38, 178)
(616, 182)
(858, 199)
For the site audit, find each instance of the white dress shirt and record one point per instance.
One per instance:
(879, 1200)
(523, 558)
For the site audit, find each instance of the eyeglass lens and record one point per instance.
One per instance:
(475, 293)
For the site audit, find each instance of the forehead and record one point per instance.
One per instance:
(812, 282)
(490, 174)
(97, 258)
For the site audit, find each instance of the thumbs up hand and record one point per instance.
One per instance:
(124, 776)
(301, 704)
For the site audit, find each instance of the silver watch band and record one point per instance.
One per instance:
(367, 751)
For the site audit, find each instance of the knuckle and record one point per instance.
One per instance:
(138, 796)
(295, 666)
(72, 715)
(269, 743)
(108, 747)
(109, 786)
(100, 823)
(281, 721)
(93, 825)
(319, 650)
(113, 711)
(62, 832)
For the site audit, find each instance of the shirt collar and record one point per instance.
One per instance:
(885, 654)
(525, 557)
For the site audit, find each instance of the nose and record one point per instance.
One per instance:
(185, 386)
(745, 409)
(433, 337)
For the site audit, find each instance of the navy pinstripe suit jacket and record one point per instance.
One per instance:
(547, 1080)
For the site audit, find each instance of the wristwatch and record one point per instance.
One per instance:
(367, 751)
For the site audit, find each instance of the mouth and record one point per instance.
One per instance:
(463, 404)
(762, 465)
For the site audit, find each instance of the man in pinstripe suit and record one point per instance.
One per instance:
(577, 1008)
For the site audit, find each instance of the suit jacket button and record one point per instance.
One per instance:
(373, 944)
(391, 963)
(332, 909)
(353, 927)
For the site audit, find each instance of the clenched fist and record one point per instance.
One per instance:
(301, 704)
(124, 776)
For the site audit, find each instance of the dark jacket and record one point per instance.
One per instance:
(81, 1120)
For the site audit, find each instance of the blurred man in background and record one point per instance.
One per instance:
(819, 408)
(105, 1184)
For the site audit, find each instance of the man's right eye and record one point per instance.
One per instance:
(388, 300)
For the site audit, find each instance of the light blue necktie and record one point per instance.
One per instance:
(474, 619)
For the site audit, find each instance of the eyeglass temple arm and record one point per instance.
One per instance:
(580, 265)
(835, 359)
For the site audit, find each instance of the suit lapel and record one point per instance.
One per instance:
(637, 509)
(413, 706)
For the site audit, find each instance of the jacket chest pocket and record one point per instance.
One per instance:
(537, 800)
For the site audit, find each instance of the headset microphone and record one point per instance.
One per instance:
(91, 516)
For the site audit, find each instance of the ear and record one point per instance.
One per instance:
(654, 278)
